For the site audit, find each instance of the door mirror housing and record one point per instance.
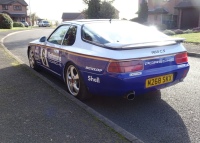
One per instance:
(43, 39)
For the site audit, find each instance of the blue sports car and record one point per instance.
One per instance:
(110, 58)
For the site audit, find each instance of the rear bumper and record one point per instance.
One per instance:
(122, 84)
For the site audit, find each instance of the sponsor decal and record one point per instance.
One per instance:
(54, 59)
(44, 57)
(97, 79)
(135, 74)
(37, 53)
(159, 61)
(158, 51)
(93, 69)
(183, 65)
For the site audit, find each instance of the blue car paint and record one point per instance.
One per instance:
(122, 84)
(111, 84)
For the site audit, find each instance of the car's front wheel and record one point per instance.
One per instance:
(75, 83)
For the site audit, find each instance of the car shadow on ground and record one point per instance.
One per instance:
(148, 116)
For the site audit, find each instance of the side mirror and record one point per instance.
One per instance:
(43, 39)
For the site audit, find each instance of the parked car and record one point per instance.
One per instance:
(44, 23)
(25, 23)
(110, 58)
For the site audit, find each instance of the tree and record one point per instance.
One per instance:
(34, 18)
(97, 9)
(93, 9)
(143, 11)
(107, 11)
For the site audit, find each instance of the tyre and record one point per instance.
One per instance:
(75, 83)
(31, 58)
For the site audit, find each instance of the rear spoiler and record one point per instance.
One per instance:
(165, 42)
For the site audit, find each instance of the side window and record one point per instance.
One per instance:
(70, 37)
(90, 36)
(58, 35)
(87, 34)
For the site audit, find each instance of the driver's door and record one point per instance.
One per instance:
(50, 54)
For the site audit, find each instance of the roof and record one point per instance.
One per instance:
(86, 21)
(188, 4)
(158, 11)
(11, 1)
(74, 15)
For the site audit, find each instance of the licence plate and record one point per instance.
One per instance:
(159, 80)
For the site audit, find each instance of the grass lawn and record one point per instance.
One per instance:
(16, 28)
(191, 37)
(22, 28)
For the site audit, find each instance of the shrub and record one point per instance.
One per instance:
(5, 21)
(18, 24)
(169, 32)
(178, 31)
(188, 31)
(196, 30)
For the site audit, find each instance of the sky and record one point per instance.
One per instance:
(53, 9)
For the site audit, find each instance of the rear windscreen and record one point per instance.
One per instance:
(123, 32)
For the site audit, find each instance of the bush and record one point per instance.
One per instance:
(5, 21)
(196, 30)
(178, 31)
(169, 32)
(18, 24)
(188, 31)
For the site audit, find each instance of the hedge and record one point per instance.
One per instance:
(18, 24)
(5, 21)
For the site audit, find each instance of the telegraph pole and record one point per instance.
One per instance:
(30, 13)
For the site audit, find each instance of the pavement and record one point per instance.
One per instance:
(32, 109)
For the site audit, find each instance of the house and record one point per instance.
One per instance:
(72, 16)
(189, 14)
(16, 9)
(182, 14)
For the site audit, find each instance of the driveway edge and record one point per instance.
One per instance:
(88, 109)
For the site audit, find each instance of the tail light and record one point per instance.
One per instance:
(181, 58)
(125, 66)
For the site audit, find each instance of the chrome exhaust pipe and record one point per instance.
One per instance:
(130, 96)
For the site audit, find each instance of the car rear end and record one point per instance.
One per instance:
(142, 59)
(141, 75)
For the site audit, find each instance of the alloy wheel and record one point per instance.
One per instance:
(73, 80)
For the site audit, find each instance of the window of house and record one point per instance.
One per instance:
(4, 7)
(17, 7)
(58, 35)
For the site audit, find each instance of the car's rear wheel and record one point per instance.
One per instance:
(75, 83)
(31, 58)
